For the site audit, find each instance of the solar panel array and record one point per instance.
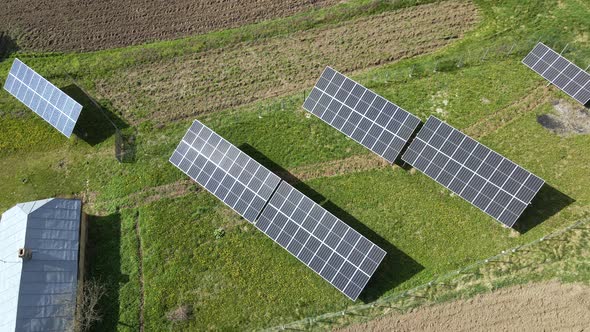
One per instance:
(560, 72)
(231, 175)
(317, 238)
(320, 240)
(361, 114)
(481, 176)
(49, 102)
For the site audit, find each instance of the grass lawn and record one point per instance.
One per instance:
(243, 280)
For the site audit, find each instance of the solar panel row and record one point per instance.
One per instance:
(361, 114)
(317, 238)
(231, 175)
(560, 72)
(54, 106)
(481, 176)
(320, 240)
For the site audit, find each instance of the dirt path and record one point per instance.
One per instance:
(510, 113)
(548, 306)
(70, 25)
(219, 79)
(348, 165)
(182, 187)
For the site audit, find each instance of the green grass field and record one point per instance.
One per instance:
(243, 280)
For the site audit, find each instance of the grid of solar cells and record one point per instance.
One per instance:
(560, 72)
(361, 114)
(481, 176)
(44, 98)
(321, 241)
(231, 175)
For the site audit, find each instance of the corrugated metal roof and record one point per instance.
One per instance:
(12, 237)
(39, 294)
(29, 207)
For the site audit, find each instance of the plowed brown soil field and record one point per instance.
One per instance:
(536, 307)
(72, 25)
(182, 87)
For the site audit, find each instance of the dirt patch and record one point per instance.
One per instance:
(144, 196)
(334, 168)
(568, 119)
(70, 25)
(182, 87)
(548, 306)
(501, 118)
(172, 190)
(180, 314)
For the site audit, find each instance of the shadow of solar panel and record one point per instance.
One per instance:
(361, 114)
(324, 243)
(231, 175)
(561, 72)
(481, 176)
(42, 97)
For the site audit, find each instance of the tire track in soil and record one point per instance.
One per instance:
(219, 79)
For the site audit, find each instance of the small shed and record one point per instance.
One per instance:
(41, 265)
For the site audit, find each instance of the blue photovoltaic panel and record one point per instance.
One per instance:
(49, 102)
(320, 240)
(231, 175)
(361, 114)
(324, 243)
(481, 176)
(561, 72)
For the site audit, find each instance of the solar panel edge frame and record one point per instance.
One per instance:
(409, 114)
(522, 61)
(316, 273)
(75, 121)
(551, 82)
(528, 203)
(417, 118)
(571, 62)
(512, 161)
(227, 205)
(305, 264)
(267, 203)
(446, 187)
